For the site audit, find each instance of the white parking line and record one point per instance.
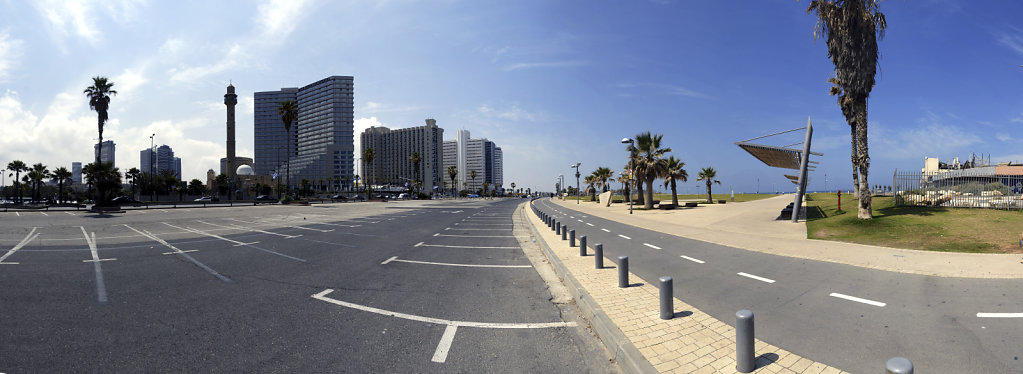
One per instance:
(194, 231)
(1000, 315)
(692, 259)
(857, 299)
(488, 224)
(28, 238)
(480, 236)
(68, 213)
(44, 213)
(441, 354)
(625, 237)
(250, 230)
(101, 285)
(751, 276)
(396, 259)
(605, 230)
(651, 246)
(589, 223)
(461, 246)
(464, 229)
(579, 220)
(181, 253)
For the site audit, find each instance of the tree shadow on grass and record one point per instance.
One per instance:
(911, 210)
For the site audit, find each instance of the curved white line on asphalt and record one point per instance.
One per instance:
(1000, 315)
(486, 325)
(396, 259)
(857, 299)
(751, 276)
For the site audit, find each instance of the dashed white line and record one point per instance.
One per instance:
(396, 259)
(651, 246)
(857, 299)
(624, 237)
(44, 213)
(579, 220)
(589, 223)
(693, 259)
(1000, 315)
(751, 276)
(605, 230)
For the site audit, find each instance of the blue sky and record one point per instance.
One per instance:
(551, 82)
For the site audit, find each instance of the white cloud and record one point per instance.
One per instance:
(665, 89)
(931, 137)
(1013, 41)
(550, 64)
(69, 17)
(278, 18)
(10, 53)
(1004, 137)
(376, 108)
(233, 59)
(514, 113)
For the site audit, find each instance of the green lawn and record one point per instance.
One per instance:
(702, 197)
(915, 227)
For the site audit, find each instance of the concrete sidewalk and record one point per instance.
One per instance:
(628, 322)
(754, 226)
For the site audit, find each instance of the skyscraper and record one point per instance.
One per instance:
(393, 151)
(481, 156)
(164, 160)
(76, 172)
(323, 135)
(108, 151)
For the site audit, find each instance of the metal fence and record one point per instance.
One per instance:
(967, 188)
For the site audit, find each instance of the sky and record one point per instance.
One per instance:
(552, 82)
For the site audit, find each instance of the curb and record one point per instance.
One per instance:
(625, 353)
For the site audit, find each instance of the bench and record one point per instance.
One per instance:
(691, 205)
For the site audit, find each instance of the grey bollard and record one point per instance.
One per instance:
(744, 354)
(557, 227)
(582, 245)
(571, 238)
(899, 365)
(623, 271)
(598, 256)
(667, 300)
(564, 232)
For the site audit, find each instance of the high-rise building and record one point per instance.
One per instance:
(393, 150)
(147, 161)
(163, 160)
(108, 152)
(76, 172)
(479, 157)
(323, 135)
(450, 159)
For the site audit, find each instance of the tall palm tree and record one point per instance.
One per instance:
(513, 187)
(649, 163)
(624, 179)
(133, 176)
(288, 110)
(452, 173)
(472, 174)
(707, 175)
(415, 159)
(99, 100)
(674, 172)
(62, 174)
(36, 175)
(603, 174)
(592, 181)
(367, 156)
(17, 166)
(851, 29)
(635, 178)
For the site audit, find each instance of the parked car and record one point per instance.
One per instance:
(338, 197)
(207, 199)
(472, 195)
(265, 198)
(125, 200)
(402, 196)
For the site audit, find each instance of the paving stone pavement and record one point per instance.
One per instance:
(691, 342)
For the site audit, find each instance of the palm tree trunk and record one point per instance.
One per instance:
(864, 209)
(99, 152)
(649, 203)
(674, 194)
(639, 194)
(288, 171)
(855, 159)
(709, 198)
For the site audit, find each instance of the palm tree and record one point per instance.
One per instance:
(415, 159)
(472, 174)
(592, 181)
(62, 174)
(513, 187)
(851, 29)
(36, 175)
(707, 175)
(17, 166)
(635, 177)
(624, 179)
(288, 110)
(649, 163)
(452, 173)
(104, 177)
(99, 100)
(133, 176)
(367, 156)
(603, 174)
(673, 173)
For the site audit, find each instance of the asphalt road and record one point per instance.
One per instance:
(848, 317)
(367, 287)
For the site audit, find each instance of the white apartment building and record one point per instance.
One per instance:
(393, 150)
(481, 156)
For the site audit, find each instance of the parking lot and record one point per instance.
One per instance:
(412, 286)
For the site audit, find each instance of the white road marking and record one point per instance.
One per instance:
(625, 237)
(17, 214)
(396, 259)
(857, 299)
(651, 246)
(441, 354)
(418, 244)
(481, 236)
(464, 229)
(28, 238)
(250, 230)
(44, 213)
(579, 220)
(692, 259)
(101, 286)
(164, 210)
(181, 253)
(294, 227)
(751, 276)
(200, 232)
(68, 213)
(461, 246)
(605, 230)
(488, 224)
(1000, 315)
(571, 217)
(589, 223)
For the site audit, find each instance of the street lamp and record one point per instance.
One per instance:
(630, 142)
(152, 165)
(576, 166)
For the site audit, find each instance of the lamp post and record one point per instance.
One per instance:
(152, 166)
(629, 141)
(561, 184)
(576, 166)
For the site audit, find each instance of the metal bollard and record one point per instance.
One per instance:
(571, 238)
(582, 245)
(899, 365)
(744, 354)
(623, 271)
(598, 256)
(557, 227)
(564, 232)
(667, 300)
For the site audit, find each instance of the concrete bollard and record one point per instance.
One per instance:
(623, 271)
(667, 300)
(898, 365)
(598, 256)
(582, 245)
(564, 232)
(745, 361)
(571, 238)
